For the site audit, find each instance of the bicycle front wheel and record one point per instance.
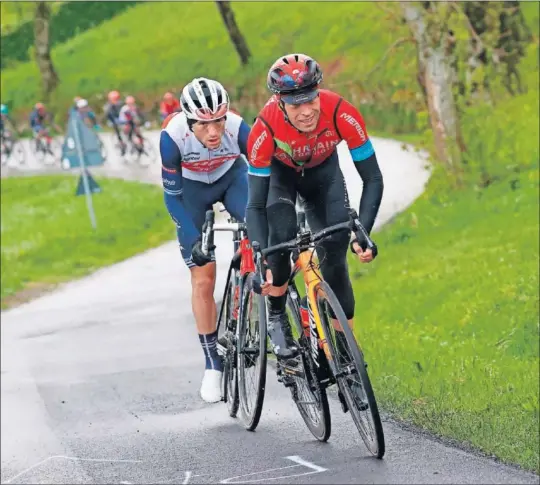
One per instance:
(307, 393)
(148, 153)
(227, 323)
(251, 354)
(351, 373)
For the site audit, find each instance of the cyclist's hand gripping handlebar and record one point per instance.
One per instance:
(361, 235)
(207, 243)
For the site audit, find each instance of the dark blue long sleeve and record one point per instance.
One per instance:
(171, 173)
(243, 134)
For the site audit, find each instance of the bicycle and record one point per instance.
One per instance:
(11, 146)
(243, 340)
(46, 149)
(140, 148)
(327, 355)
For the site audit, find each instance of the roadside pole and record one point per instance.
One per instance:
(80, 153)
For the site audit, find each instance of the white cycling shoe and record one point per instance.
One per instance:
(211, 386)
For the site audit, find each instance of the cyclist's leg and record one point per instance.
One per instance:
(236, 190)
(116, 128)
(326, 204)
(199, 197)
(281, 214)
(37, 130)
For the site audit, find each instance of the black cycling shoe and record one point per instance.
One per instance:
(279, 331)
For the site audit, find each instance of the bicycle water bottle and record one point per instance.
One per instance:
(304, 314)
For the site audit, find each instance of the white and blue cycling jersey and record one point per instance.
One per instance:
(195, 177)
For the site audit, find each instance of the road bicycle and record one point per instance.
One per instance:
(11, 148)
(139, 149)
(241, 326)
(328, 350)
(46, 149)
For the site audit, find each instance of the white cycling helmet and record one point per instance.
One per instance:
(82, 103)
(204, 100)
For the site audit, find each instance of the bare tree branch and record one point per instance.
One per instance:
(397, 43)
(473, 32)
(393, 13)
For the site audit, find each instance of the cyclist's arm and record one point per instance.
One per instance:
(243, 135)
(352, 129)
(171, 172)
(92, 117)
(53, 123)
(260, 149)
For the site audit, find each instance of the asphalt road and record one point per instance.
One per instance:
(100, 380)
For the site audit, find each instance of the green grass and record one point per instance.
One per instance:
(448, 317)
(47, 237)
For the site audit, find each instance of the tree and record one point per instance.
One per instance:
(235, 35)
(49, 78)
(428, 23)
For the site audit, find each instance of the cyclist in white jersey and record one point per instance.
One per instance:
(203, 150)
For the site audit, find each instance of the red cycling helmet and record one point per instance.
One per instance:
(295, 78)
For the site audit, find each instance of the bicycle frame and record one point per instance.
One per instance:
(244, 253)
(311, 282)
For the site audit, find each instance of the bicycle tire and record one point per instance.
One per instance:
(149, 151)
(51, 153)
(322, 429)
(104, 151)
(251, 414)
(230, 375)
(19, 152)
(376, 446)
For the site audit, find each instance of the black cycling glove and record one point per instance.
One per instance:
(197, 255)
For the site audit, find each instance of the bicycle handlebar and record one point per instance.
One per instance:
(210, 227)
(305, 239)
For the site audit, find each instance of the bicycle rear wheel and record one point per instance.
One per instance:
(18, 152)
(307, 393)
(227, 323)
(251, 354)
(351, 374)
(51, 152)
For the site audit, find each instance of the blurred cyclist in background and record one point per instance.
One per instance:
(39, 119)
(131, 119)
(169, 105)
(87, 115)
(112, 114)
(6, 135)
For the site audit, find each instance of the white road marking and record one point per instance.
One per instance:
(297, 459)
(308, 464)
(187, 477)
(73, 458)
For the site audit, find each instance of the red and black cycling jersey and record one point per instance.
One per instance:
(272, 136)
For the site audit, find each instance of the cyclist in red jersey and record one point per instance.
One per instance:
(292, 150)
(169, 105)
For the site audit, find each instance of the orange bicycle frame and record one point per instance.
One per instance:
(311, 281)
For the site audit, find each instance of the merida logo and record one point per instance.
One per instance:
(258, 142)
(352, 121)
